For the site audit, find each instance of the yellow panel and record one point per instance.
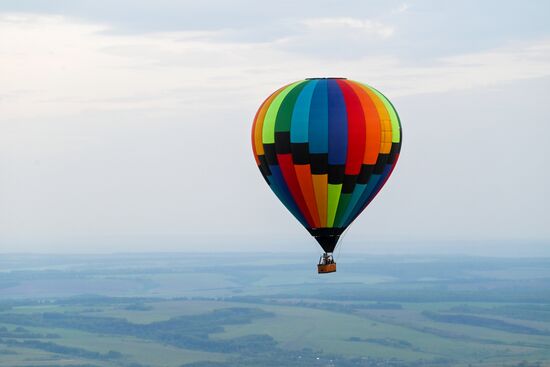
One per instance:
(384, 117)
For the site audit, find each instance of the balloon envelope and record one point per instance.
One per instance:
(326, 146)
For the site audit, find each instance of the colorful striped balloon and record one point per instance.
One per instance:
(326, 146)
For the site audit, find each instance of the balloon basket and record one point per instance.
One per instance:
(326, 268)
(326, 264)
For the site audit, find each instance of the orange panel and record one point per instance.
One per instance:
(253, 132)
(303, 173)
(385, 120)
(320, 186)
(373, 124)
(259, 122)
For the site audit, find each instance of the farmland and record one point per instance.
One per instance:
(272, 310)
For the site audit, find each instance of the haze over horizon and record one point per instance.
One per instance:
(126, 126)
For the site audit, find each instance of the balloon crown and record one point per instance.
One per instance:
(330, 77)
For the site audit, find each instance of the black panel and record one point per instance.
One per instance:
(282, 142)
(300, 153)
(327, 237)
(349, 184)
(336, 173)
(315, 232)
(270, 155)
(264, 175)
(380, 163)
(263, 165)
(366, 172)
(395, 147)
(319, 163)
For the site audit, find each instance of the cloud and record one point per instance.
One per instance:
(403, 8)
(53, 65)
(365, 26)
(516, 61)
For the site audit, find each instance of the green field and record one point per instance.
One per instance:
(382, 311)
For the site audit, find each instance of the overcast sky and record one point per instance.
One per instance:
(126, 125)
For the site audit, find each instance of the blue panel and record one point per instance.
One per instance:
(279, 187)
(299, 127)
(355, 197)
(337, 124)
(376, 182)
(318, 119)
(360, 205)
(381, 182)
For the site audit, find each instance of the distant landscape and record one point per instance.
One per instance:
(214, 310)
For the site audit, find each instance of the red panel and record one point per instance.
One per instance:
(372, 123)
(356, 129)
(289, 174)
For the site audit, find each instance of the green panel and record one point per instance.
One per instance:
(268, 131)
(333, 198)
(342, 206)
(284, 116)
(394, 117)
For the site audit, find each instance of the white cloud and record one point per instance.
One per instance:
(514, 62)
(52, 65)
(403, 8)
(365, 26)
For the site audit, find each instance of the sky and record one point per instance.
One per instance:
(125, 126)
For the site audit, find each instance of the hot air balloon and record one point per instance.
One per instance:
(326, 146)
